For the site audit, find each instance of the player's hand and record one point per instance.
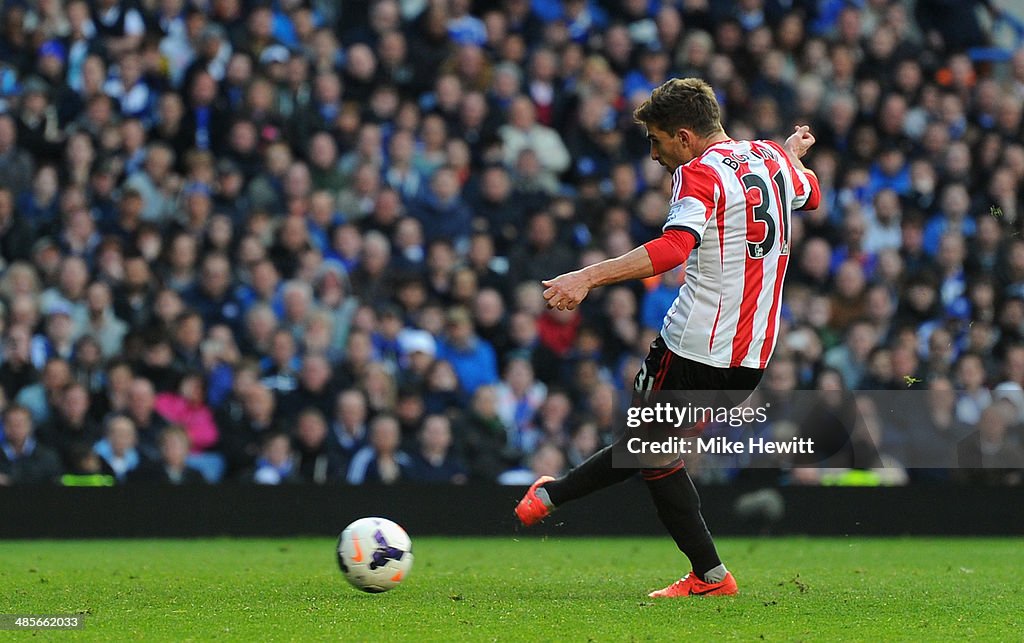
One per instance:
(565, 292)
(800, 141)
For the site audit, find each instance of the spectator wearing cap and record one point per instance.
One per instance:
(38, 122)
(210, 55)
(23, 461)
(294, 93)
(46, 258)
(472, 358)
(274, 55)
(418, 349)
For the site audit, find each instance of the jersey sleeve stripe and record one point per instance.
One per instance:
(695, 233)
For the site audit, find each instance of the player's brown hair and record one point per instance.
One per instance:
(681, 103)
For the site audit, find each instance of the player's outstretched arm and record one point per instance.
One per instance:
(567, 291)
(653, 258)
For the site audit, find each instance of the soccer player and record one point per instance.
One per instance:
(729, 222)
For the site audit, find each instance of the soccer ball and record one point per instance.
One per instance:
(374, 554)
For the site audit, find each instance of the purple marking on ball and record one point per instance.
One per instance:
(384, 551)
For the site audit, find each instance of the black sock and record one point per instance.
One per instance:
(679, 510)
(591, 475)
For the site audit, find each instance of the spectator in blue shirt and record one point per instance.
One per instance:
(472, 358)
(658, 299)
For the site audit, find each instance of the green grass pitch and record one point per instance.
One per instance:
(530, 589)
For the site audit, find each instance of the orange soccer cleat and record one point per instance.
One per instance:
(690, 585)
(531, 509)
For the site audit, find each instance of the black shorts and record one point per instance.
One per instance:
(667, 377)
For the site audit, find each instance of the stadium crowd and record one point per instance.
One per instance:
(304, 240)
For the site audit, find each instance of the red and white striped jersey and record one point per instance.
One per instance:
(737, 198)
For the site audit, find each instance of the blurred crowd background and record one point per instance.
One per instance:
(304, 240)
